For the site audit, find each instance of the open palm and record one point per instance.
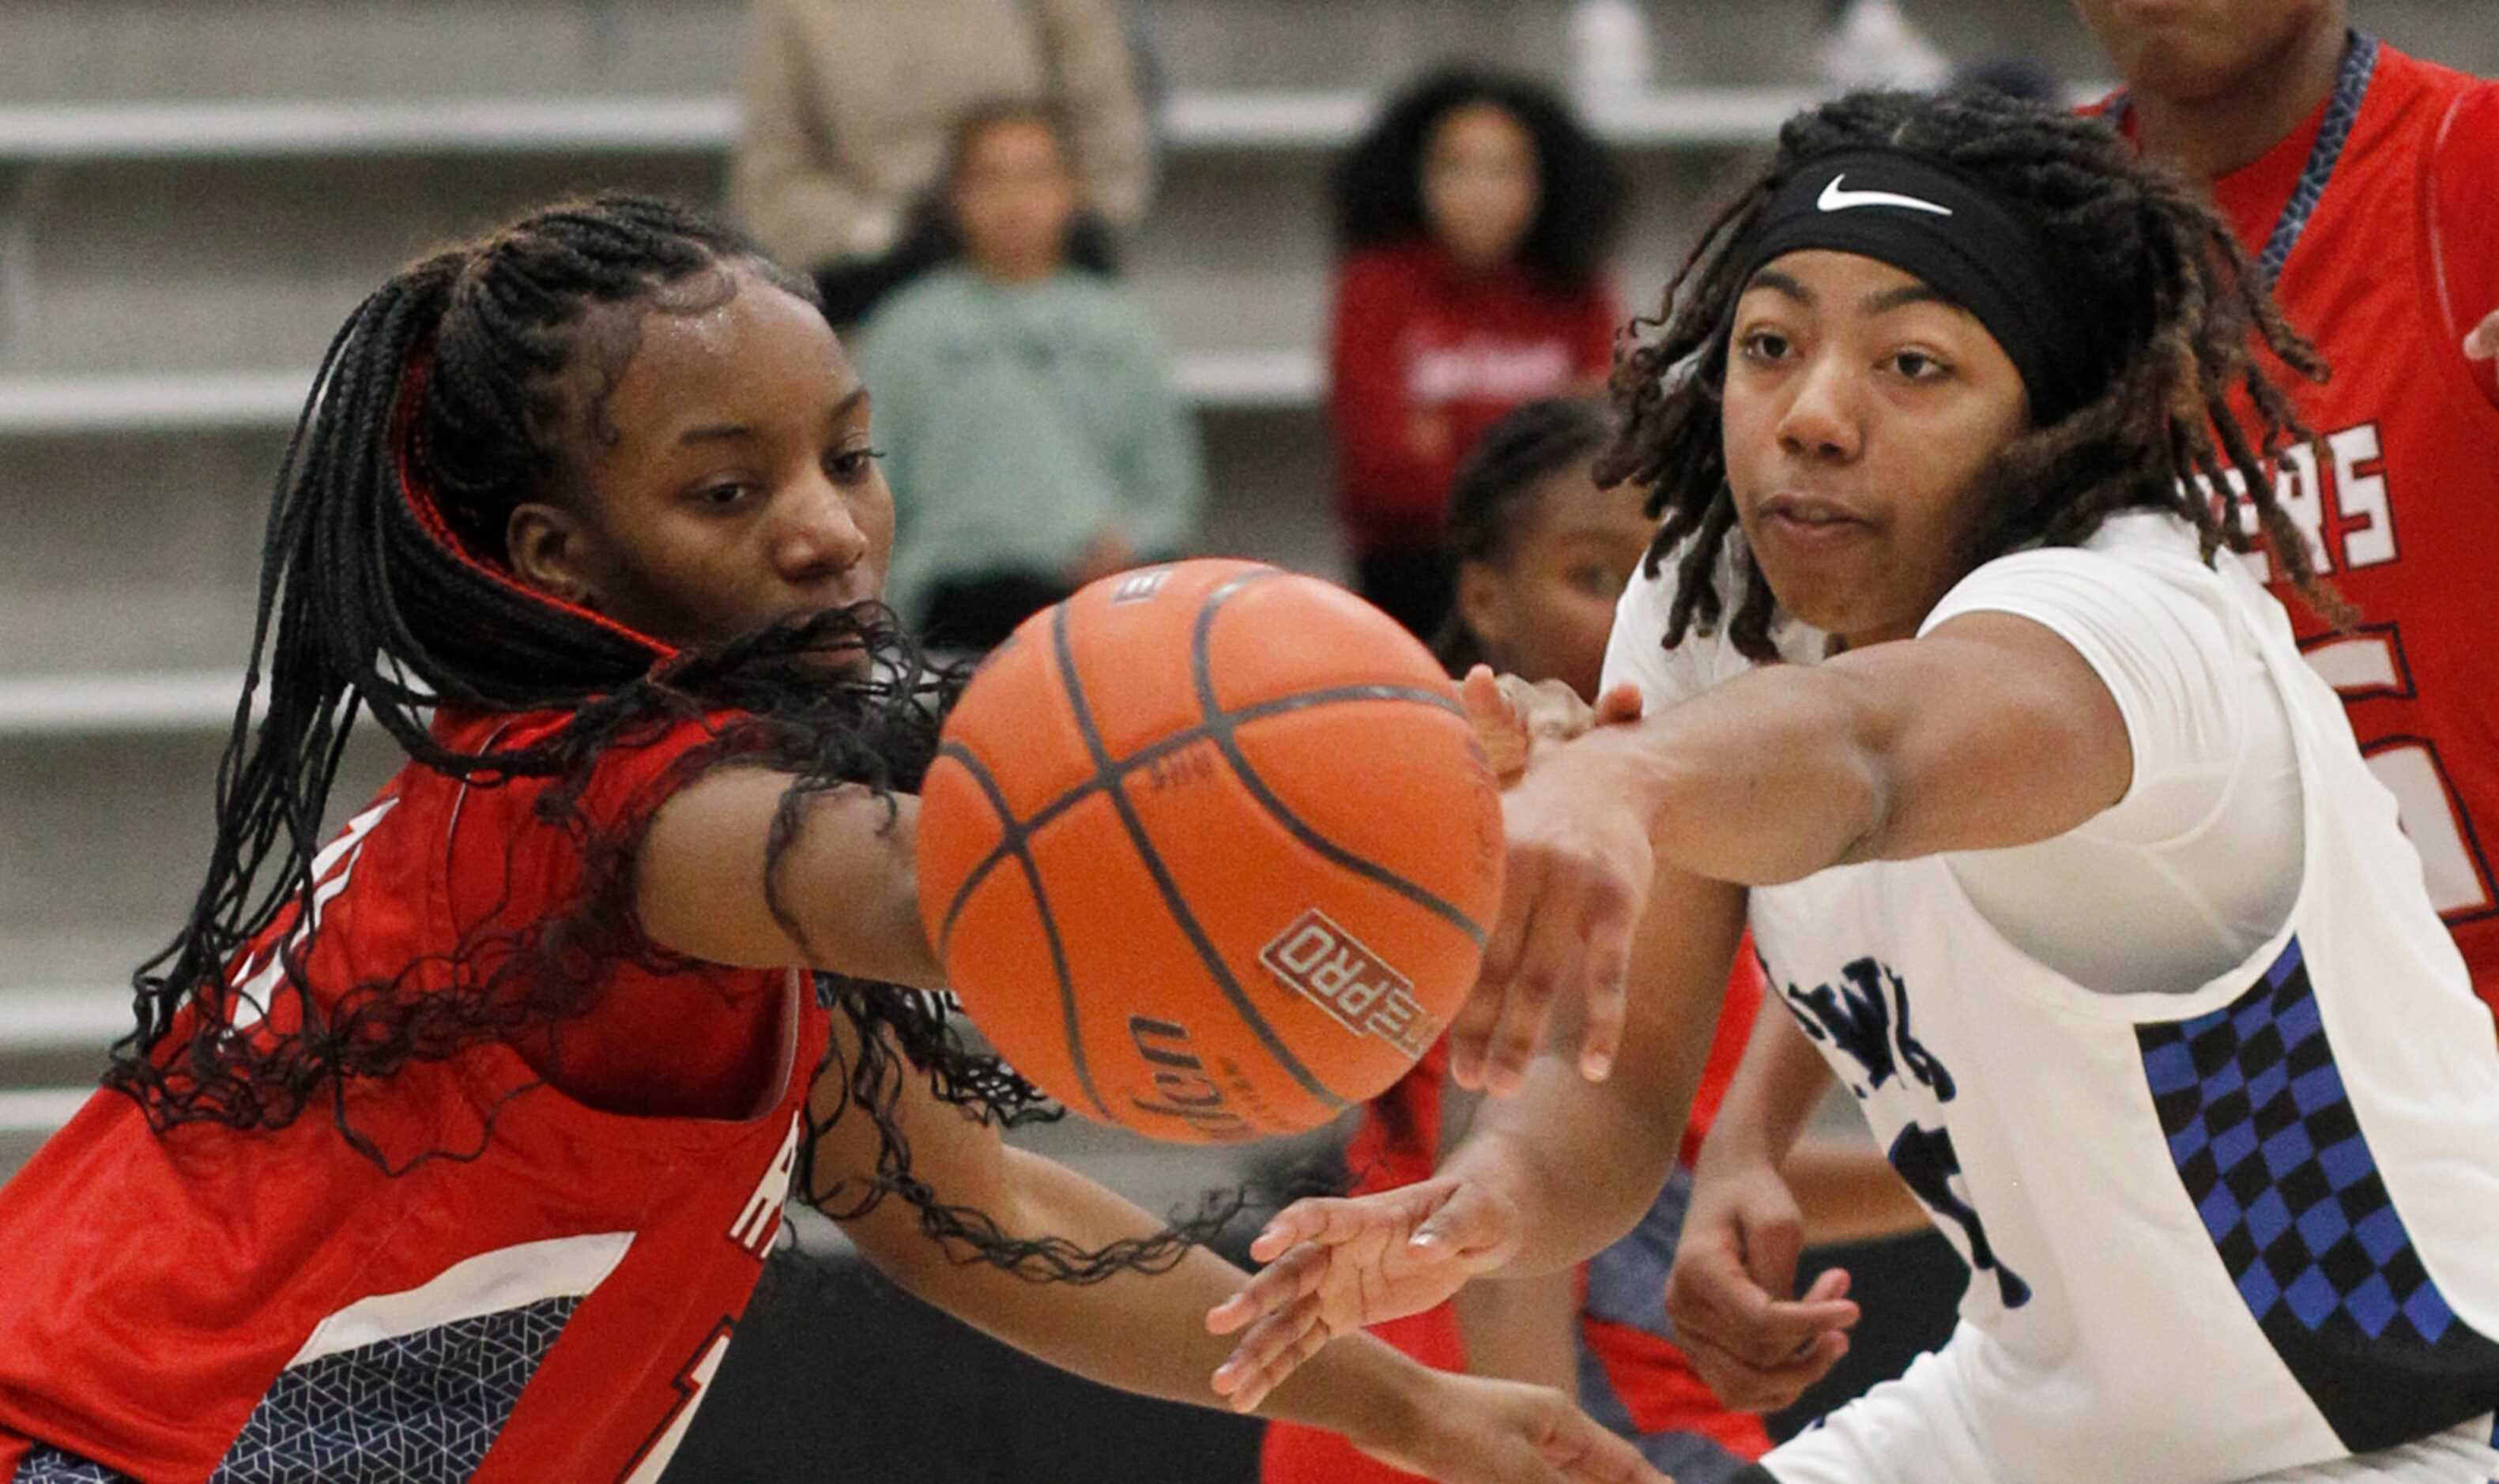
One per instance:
(1340, 1265)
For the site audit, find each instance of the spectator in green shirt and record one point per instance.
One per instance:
(1033, 437)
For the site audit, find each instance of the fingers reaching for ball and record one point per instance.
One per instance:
(1334, 1265)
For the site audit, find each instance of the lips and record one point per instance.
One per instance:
(1811, 521)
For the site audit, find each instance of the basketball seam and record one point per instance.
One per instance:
(1215, 726)
(1163, 747)
(1041, 908)
(1173, 902)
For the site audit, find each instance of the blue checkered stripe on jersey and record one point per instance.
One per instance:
(2271, 1151)
(421, 1408)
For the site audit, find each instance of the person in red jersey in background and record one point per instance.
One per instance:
(1476, 217)
(1543, 554)
(2365, 182)
(449, 1150)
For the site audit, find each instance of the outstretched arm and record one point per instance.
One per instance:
(846, 874)
(1988, 731)
(1141, 1332)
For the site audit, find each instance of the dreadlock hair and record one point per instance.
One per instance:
(1580, 189)
(1493, 491)
(385, 591)
(2161, 434)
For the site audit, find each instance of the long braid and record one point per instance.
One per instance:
(2161, 435)
(440, 406)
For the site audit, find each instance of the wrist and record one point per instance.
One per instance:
(1616, 762)
(1360, 1388)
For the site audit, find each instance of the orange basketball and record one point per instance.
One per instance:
(1210, 850)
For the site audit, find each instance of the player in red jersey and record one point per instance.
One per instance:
(450, 1149)
(2361, 180)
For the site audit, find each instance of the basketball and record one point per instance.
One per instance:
(1209, 850)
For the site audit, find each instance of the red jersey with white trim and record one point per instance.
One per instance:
(547, 1302)
(2395, 260)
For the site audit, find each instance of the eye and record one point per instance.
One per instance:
(1597, 580)
(1765, 345)
(1919, 365)
(851, 466)
(723, 494)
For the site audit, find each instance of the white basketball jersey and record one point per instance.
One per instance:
(2246, 1226)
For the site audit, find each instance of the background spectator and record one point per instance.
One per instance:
(848, 107)
(1034, 438)
(1474, 219)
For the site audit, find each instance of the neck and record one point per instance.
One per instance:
(2212, 135)
(1015, 270)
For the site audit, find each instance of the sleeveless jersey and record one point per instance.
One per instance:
(2378, 220)
(2241, 1227)
(546, 1297)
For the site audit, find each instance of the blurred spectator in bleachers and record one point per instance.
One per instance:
(1475, 218)
(1032, 433)
(849, 104)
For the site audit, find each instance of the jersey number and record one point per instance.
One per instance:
(2368, 662)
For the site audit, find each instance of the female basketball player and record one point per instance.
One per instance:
(1544, 553)
(452, 1149)
(2055, 850)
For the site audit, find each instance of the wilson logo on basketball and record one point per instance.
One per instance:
(1137, 587)
(1328, 967)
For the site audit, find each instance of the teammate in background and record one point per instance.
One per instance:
(2057, 853)
(1542, 554)
(2361, 182)
(1475, 219)
(458, 1143)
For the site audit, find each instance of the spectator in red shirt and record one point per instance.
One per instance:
(1475, 218)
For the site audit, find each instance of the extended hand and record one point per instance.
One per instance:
(1476, 1431)
(1577, 872)
(1334, 1265)
(1514, 719)
(1734, 1263)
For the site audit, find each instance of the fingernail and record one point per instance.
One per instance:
(1594, 1065)
(1424, 1239)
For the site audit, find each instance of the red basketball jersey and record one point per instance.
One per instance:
(547, 1302)
(2381, 214)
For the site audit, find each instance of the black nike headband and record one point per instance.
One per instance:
(1961, 241)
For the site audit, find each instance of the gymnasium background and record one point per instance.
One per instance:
(193, 193)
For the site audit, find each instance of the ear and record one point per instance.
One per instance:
(1480, 605)
(550, 549)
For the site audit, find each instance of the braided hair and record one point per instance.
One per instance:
(2161, 436)
(440, 406)
(1492, 493)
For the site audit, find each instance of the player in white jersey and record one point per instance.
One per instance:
(2055, 851)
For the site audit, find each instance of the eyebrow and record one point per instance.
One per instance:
(731, 433)
(1770, 280)
(1894, 298)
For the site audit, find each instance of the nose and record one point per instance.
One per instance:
(817, 537)
(1819, 422)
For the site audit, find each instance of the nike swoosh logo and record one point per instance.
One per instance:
(1834, 199)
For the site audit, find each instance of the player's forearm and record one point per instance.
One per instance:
(1523, 1329)
(1774, 1093)
(1768, 777)
(1574, 1159)
(1144, 1332)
